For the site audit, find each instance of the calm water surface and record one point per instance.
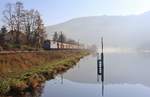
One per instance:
(126, 75)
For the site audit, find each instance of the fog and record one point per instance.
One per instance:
(130, 32)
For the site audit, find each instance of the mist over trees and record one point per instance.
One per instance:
(61, 37)
(55, 37)
(129, 32)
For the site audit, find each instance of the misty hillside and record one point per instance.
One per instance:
(118, 31)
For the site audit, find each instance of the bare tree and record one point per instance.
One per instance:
(34, 28)
(29, 24)
(39, 33)
(8, 16)
(18, 17)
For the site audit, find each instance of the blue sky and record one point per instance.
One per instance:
(57, 11)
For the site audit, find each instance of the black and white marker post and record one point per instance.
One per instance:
(100, 66)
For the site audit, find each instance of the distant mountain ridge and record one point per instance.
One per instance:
(118, 31)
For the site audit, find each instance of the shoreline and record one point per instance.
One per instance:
(33, 77)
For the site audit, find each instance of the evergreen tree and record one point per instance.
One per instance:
(62, 38)
(55, 37)
(2, 36)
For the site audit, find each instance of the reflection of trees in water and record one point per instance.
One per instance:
(31, 92)
(36, 92)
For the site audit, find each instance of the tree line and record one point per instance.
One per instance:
(60, 37)
(21, 27)
(24, 29)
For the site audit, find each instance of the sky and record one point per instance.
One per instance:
(58, 11)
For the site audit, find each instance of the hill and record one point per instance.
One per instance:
(120, 31)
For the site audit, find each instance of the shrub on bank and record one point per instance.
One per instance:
(4, 87)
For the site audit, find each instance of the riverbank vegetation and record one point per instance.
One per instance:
(22, 28)
(23, 71)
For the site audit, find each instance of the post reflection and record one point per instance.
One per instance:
(102, 88)
(101, 83)
(62, 78)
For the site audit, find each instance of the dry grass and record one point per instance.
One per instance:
(22, 70)
(18, 62)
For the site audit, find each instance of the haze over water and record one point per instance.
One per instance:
(126, 75)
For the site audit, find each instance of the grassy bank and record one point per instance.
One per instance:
(25, 71)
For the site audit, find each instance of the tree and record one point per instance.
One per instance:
(2, 36)
(8, 16)
(62, 38)
(55, 37)
(29, 24)
(39, 33)
(13, 16)
(24, 23)
(18, 16)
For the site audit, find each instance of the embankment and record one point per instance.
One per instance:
(24, 71)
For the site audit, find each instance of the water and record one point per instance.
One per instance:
(126, 75)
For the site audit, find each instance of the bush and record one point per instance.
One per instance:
(10, 46)
(4, 87)
(26, 47)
